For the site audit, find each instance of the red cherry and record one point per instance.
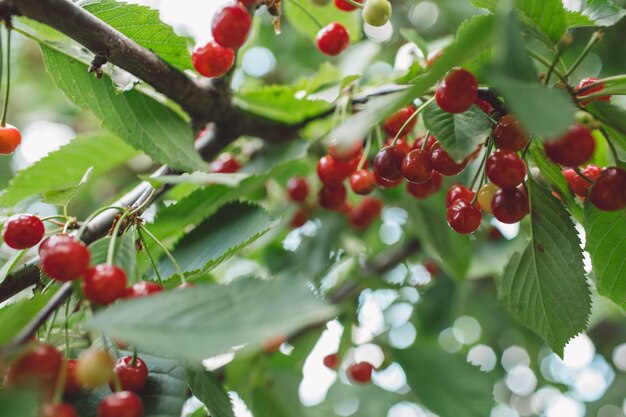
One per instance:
(484, 106)
(331, 171)
(298, 189)
(121, 404)
(333, 39)
(58, 410)
(365, 213)
(23, 231)
(594, 90)
(457, 91)
(419, 143)
(362, 182)
(345, 151)
(463, 217)
(230, 26)
(609, 191)
(509, 205)
(132, 377)
(72, 384)
(431, 266)
(577, 183)
(457, 192)
(345, 6)
(331, 361)
(361, 372)
(400, 143)
(103, 284)
(37, 367)
(510, 135)
(443, 163)
(65, 260)
(417, 166)
(388, 163)
(395, 122)
(300, 217)
(572, 149)
(213, 60)
(505, 169)
(383, 183)
(10, 139)
(332, 197)
(248, 3)
(225, 164)
(425, 189)
(143, 289)
(53, 240)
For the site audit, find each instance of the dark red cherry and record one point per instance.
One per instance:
(594, 90)
(248, 3)
(457, 192)
(230, 26)
(395, 122)
(345, 6)
(300, 217)
(572, 149)
(10, 139)
(383, 183)
(362, 182)
(225, 164)
(419, 143)
(484, 106)
(577, 183)
(608, 193)
(121, 404)
(103, 284)
(457, 91)
(58, 410)
(298, 189)
(443, 163)
(143, 289)
(345, 151)
(331, 361)
(510, 205)
(333, 39)
(463, 217)
(361, 372)
(417, 166)
(72, 384)
(331, 171)
(53, 240)
(132, 376)
(388, 163)
(510, 135)
(400, 143)
(23, 231)
(425, 189)
(213, 60)
(505, 169)
(363, 215)
(38, 367)
(65, 259)
(332, 197)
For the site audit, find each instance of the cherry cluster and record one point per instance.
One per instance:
(359, 372)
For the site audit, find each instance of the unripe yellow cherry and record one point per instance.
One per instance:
(377, 12)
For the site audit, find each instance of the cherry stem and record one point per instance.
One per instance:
(597, 95)
(354, 3)
(179, 270)
(116, 382)
(408, 121)
(586, 178)
(306, 12)
(543, 60)
(116, 231)
(482, 164)
(425, 143)
(67, 329)
(552, 67)
(3, 122)
(366, 152)
(133, 361)
(60, 385)
(595, 38)
(150, 257)
(618, 79)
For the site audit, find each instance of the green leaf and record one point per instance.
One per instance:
(445, 383)
(16, 315)
(302, 22)
(545, 287)
(14, 403)
(205, 387)
(613, 116)
(596, 13)
(125, 255)
(140, 120)
(459, 134)
(64, 196)
(606, 244)
(411, 35)
(209, 320)
(163, 396)
(143, 25)
(66, 167)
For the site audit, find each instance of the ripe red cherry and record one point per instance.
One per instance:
(333, 39)
(225, 164)
(132, 377)
(386, 183)
(457, 192)
(510, 206)
(37, 367)
(58, 410)
(609, 191)
(332, 197)
(510, 135)
(443, 163)
(345, 151)
(345, 6)
(361, 372)
(425, 189)
(463, 217)
(53, 240)
(331, 361)
(400, 143)
(362, 182)
(572, 149)
(363, 215)
(505, 169)
(300, 217)
(143, 289)
(72, 384)
(388, 163)
(594, 90)
(298, 189)
(484, 106)
(577, 183)
(230, 26)
(395, 122)
(10, 139)
(331, 171)
(213, 60)
(417, 166)
(65, 260)
(457, 91)
(23, 231)
(121, 404)
(103, 284)
(419, 143)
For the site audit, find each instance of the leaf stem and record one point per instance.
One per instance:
(366, 152)
(116, 231)
(150, 257)
(543, 60)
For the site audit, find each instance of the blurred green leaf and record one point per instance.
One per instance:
(15, 316)
(614, 117)
(64, 196)
(14, 403)
(207, 389)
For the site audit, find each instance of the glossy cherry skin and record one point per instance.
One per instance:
(400, 143)
(510, 135)
(143, 289)
(132, 377)
(53, 240)
(333, 172)
(23, 231)
(121, 404)
(425, 189)
(609, 191)
(361, 372)
(230, 26)
(577, 183)
(419, 143)
(388, 163)
(103, 284)
(383, 183)
(395, 122)
(10, 139)
(457, 91)
(300, 217)
(72, 384)
(333, 39)
(331, 361)
(505, 169)
(362, 182)
(443, 163)
(94, 368)
(510, 206)
(463, 217)
(298, 189)
(457, 192)
(225, 164)
(417, 166)
(58, 410)
(484, 106)
(345, 6)
(213, 60)
(594, 90)
(345, 151)
(485, 196)
(38, 367)
(363, 215)
(66, 260)
(332, 197)
(572, 149)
